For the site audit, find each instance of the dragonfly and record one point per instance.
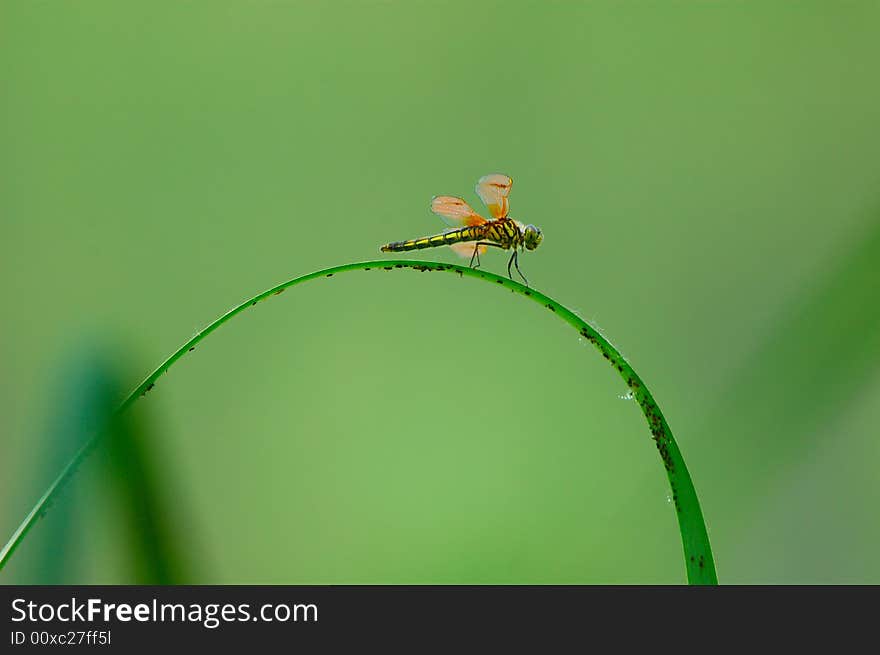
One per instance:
(471, 235)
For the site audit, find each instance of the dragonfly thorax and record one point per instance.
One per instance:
(510, 233)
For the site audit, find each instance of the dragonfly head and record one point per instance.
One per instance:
(532, 237)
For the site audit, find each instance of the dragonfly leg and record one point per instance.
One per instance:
(476, 256)
(514, 258)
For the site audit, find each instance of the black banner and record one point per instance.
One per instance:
(134, 618)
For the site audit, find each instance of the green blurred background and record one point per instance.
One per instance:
(706, 176)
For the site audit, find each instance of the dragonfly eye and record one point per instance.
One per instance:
(532, 237)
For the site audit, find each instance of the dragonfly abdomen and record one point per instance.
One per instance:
(473, 233)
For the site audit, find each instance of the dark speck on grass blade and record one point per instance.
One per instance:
(698, 559)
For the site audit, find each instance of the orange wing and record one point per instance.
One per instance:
(466, 249)
(493, 190)
(455, 211)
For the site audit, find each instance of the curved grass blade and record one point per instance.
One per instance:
(699, 563)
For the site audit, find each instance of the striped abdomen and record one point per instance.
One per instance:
(504, 232)
(473, 233)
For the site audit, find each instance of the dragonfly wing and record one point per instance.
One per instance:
(455, 211)
(467, 249)
(493, 190)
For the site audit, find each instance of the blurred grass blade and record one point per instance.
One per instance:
(87, 405)
(154, 555)
(699, 562)
(82, 404)
(831, 333)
